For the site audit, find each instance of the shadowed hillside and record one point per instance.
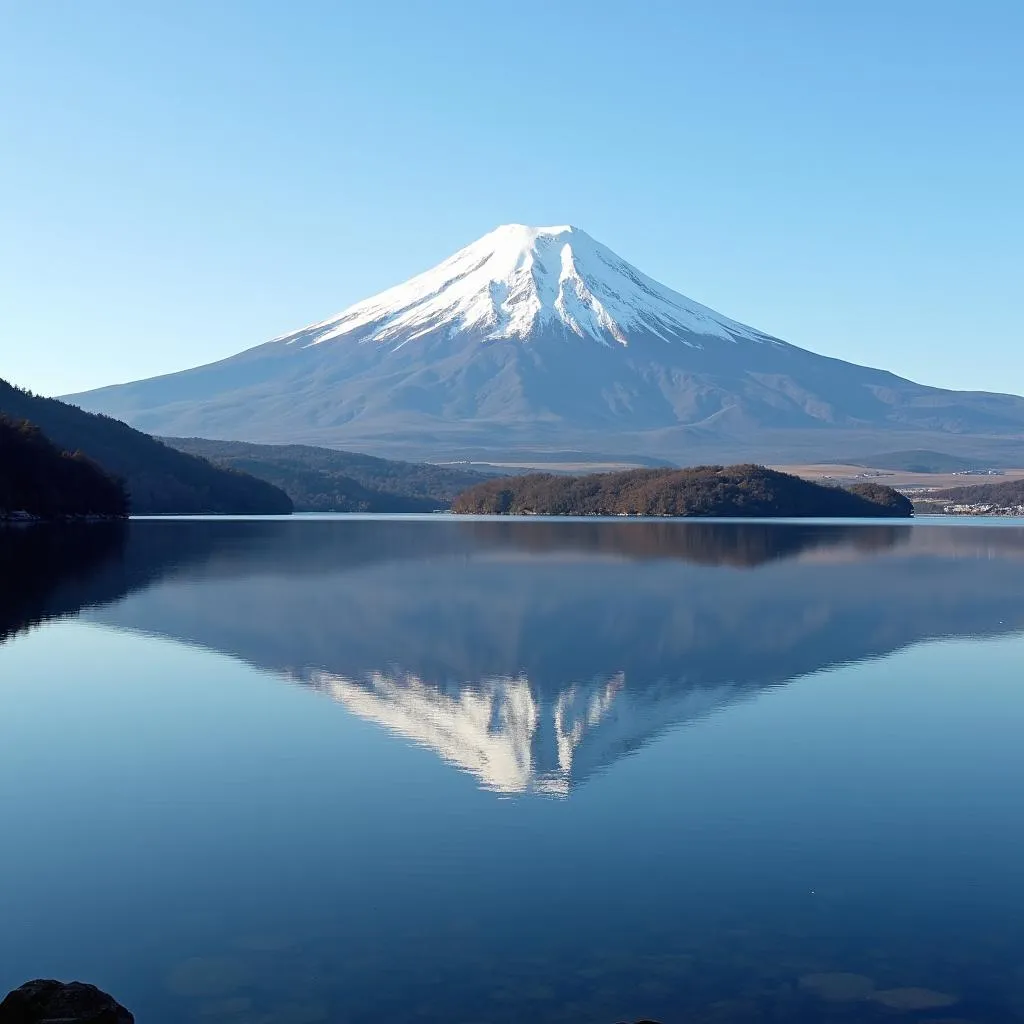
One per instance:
(326, 480)
(1007, 494)
(158, 479)
(39, 479)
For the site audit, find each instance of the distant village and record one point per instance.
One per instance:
(976, 509)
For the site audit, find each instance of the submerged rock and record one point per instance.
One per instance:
(913, 998)
(838, 986)
(38, 1002)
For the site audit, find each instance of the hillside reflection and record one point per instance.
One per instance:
(531, 654)
(744, 546)
(49, 571)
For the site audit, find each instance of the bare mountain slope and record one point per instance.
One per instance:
(544, 339)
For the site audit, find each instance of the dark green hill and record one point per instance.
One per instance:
(701, 491)
(159, 479)
(38, 478)
(1007, 494)
(327, 480)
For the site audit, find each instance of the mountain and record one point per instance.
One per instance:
(328, 480)
(158, 479)
(39, 479)
(538, 340)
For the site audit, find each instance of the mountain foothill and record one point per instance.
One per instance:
(154, 477)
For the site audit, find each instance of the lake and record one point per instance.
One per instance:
(442, 770)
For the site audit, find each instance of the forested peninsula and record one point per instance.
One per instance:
(745, 490)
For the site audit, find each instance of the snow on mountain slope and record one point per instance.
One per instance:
(518, 280)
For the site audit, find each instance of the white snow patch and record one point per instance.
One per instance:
(518, 280)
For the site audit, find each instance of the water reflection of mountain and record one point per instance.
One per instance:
(515, 736)
(535, 653)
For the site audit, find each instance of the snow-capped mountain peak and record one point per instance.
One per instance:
(517, 281)
(537, 339)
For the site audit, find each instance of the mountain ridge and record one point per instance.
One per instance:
(544, 338)
(330, 480)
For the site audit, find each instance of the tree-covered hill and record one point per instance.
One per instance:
(1005, 494)
(159, 479)
(327, 480)
(701, 491)
(38, 478)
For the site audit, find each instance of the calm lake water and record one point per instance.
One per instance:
(445, 770)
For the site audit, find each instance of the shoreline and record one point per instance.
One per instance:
(21, 518)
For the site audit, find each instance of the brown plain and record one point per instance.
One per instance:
(897, 478)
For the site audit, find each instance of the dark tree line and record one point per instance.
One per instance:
(159, 479)
(38, 478)
(887, 497)
(745, 490)
(1006, 494)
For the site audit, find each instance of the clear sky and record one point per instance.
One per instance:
(182, 179)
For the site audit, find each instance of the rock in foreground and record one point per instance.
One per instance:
(38, 1002)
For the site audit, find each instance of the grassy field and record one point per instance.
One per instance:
(900, 479)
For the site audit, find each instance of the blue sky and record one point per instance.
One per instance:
(181, 180)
